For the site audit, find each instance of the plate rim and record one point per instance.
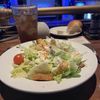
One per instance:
(63, 35)
(49, 91)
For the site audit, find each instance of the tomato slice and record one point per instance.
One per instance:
(18, 59)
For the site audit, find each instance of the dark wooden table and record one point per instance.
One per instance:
(90, 90)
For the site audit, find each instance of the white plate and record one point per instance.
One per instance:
(62, 31)
(46, 86)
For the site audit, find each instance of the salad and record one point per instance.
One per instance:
(47, 60)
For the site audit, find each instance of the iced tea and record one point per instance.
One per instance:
(26, 22)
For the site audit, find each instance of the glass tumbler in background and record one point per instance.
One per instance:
(26, 22)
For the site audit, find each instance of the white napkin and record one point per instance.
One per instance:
(80, 39)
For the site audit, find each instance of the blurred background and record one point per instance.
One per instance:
(91, 21)
(53, 20)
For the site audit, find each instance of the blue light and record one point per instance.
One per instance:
(1, 6)
(13, 2)
(88, 16)
(44, 4)
(66, 16)
(65, 2)
(80, 4)
(38, 3)
(91, 2)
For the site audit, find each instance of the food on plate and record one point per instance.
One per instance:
(18, 59)
(46, 60)
(40, 76)
(60, 32)
(74, 26)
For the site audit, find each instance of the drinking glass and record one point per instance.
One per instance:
(26, 22)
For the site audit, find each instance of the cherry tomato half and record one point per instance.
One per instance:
(18, 59)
